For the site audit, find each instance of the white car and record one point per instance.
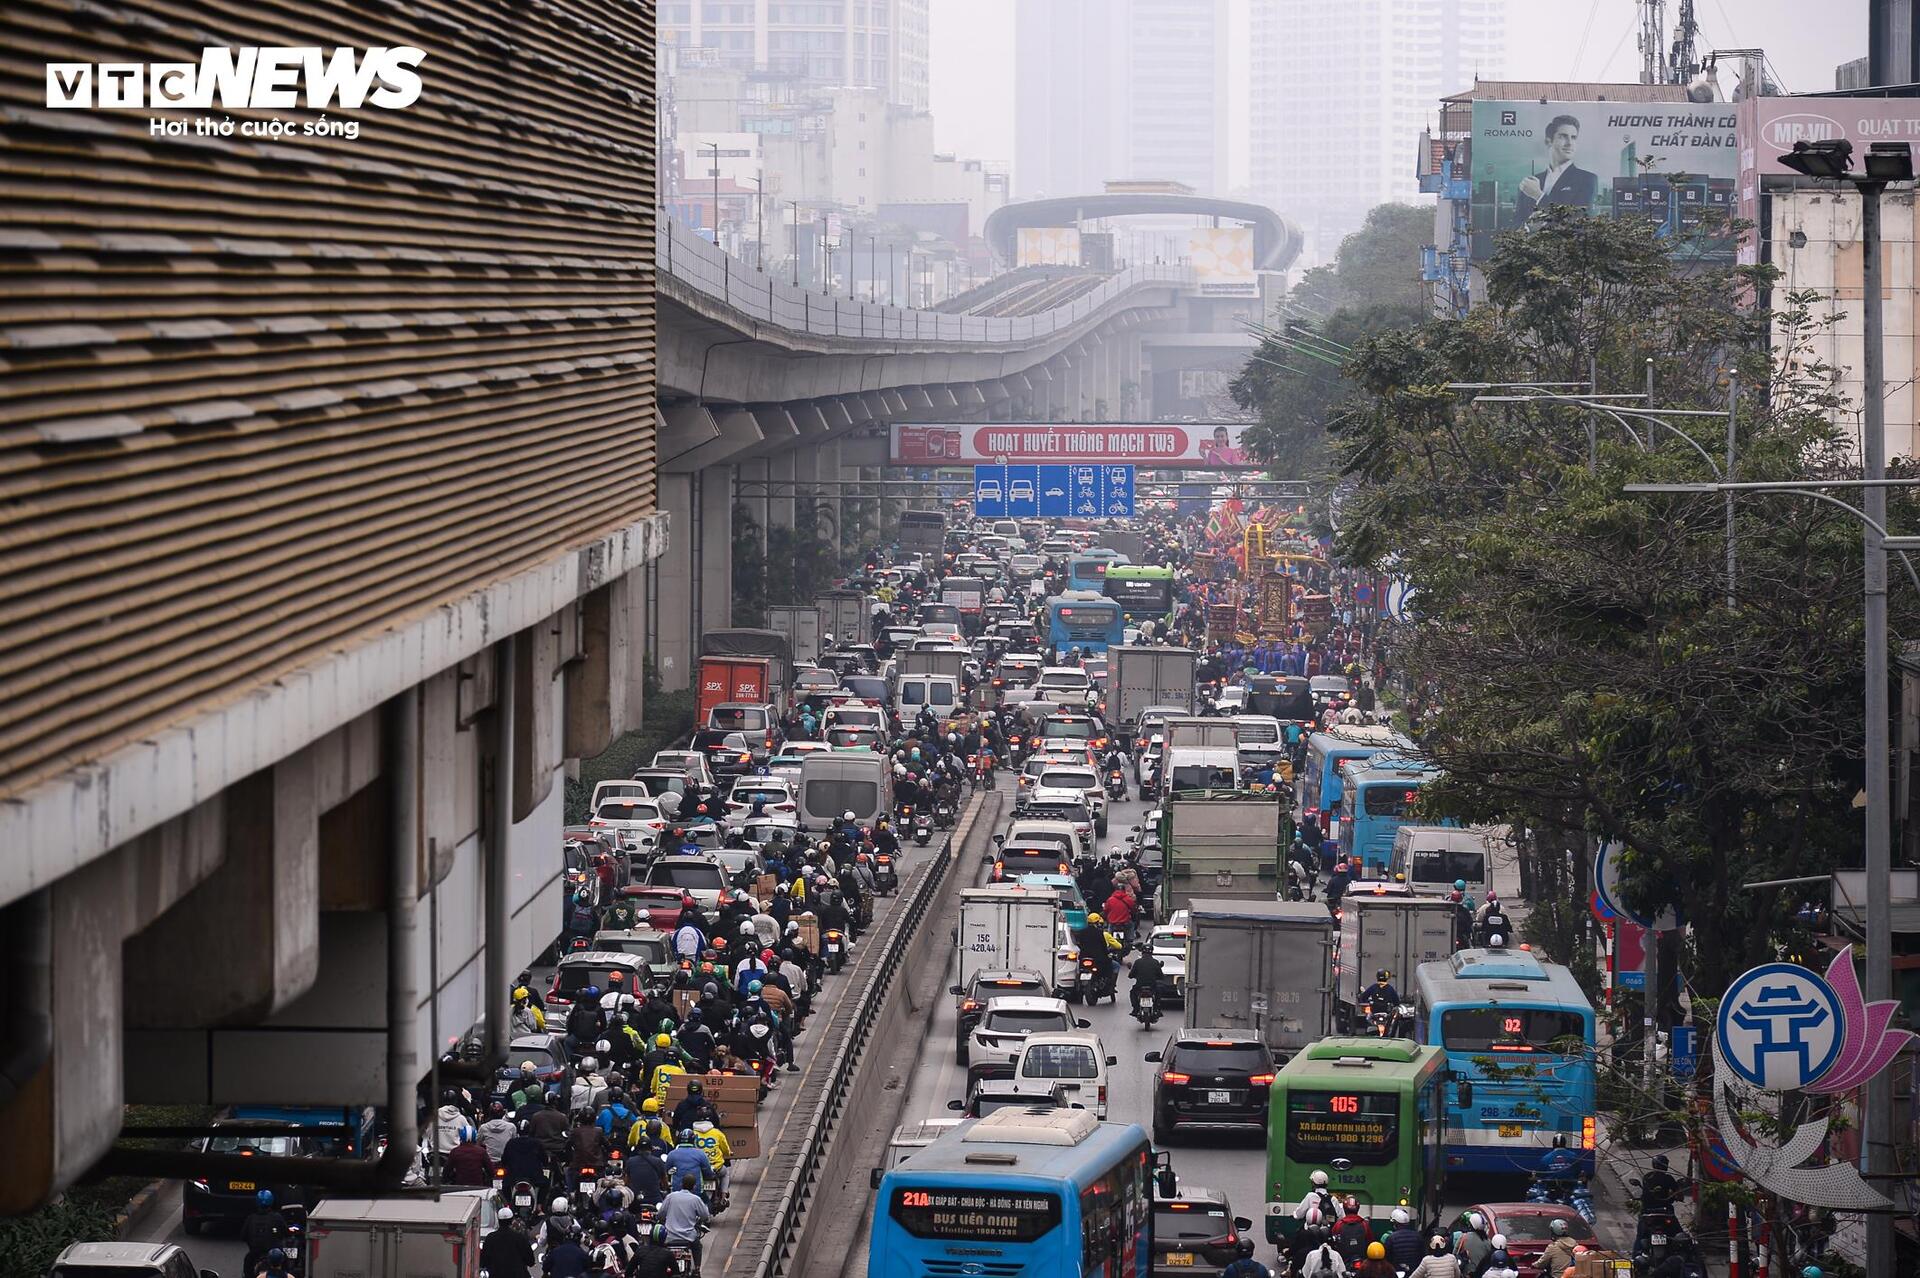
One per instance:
(1072, 1061)
(631, 823)
(774, 794)
(996, 1041)
(1064, 686)
(691, 762)
(1063, 805)
(1087, 782)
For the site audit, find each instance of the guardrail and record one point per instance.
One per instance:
(762, 296)
(903, 923)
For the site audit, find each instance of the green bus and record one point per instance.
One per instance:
(1370, 1113)
(1141, 590)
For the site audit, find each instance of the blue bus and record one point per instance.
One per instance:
(1518, 1035)
(1318, 796)
(1085, 620)
(1088, 571)
(1022, 1191)
(1375, 798)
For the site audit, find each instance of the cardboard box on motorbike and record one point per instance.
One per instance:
(809, 931)
(1602, 1264)
(737, 1098)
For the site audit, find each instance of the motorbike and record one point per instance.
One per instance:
(1097, 983)
(1146, 1010)
(1116, 785)
(922, 829)
(833, 944)
(1299, 882)
(886, 876)
(983, 771)
(1565, 1191)
(1395, 1024)
(944, 814)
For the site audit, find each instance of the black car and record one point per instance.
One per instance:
(1196, 1232)
(729, 753)
(973, 1000)
(1211, 1079)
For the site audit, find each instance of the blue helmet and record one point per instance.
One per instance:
(264, 1198)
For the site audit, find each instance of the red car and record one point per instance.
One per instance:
(1528, 1228)
(659, 906)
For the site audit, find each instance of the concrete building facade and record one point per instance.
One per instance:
(808, 44)
(1119, 89)
(1337, 87)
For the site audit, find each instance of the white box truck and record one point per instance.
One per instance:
(1385, 926)
(847, 615)
(1007, 928)
(800, 623)
(1139, 676)
(395, 1237)
(1260, 967)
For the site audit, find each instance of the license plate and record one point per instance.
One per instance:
(1178, 1258)
(1219, 1098)
(237, 1186)
(1510, 1129)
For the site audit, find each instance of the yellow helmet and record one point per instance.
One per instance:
(663, 1040)
(520, 994)
(1095, 918)
(651, 1105)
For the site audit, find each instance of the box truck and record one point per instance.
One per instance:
(800, 623)
(1139, 676)
(1007, 928)
(847, 615)
(743, 680)
(1382, 925)
(1260, 967)
(395, 1237)
(1219, 845)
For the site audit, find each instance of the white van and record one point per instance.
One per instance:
(1434, 857)
(835, 782)
(912, 691)
(1073, 1061)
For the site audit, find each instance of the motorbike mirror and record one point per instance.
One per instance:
(1151, 1057)
(956, 1106)
(1082, 1024)
(955, 989)
(1242, 1224)
(1113, 1060)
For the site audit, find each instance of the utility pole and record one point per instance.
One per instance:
(715, 147)
(1652, 43)
(760, 222)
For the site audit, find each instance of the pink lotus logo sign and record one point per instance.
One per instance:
(1783, 1027)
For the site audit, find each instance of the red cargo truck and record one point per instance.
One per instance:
(747, 679)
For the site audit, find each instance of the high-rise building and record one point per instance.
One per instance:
(810, 44)
(1119, 89)
(1337, 90)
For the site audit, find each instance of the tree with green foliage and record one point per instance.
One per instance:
(1583, 671)
(1296, 380)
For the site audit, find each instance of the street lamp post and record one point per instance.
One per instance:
(1886, 162)
(715, 148)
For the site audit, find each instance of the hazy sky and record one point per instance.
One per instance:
(972, 54)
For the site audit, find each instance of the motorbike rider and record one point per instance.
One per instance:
(1474, 1248)
(264, 1228)
(1439, 1262)
(1559, 1252)
(694, 1107)
(1375, 1263)
(1403, 1243)
(1120, 906)
(1352, 1233)
(1659, 1188)
(1091, 940)
(649, 1257)
(683, 1212)
(1318, 1202)
(1146, 972)
(1246, 1266)
(1381, 996)
(507, 1251)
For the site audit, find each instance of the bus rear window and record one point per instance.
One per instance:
(1388, 800)
(1509, 1029)
(1363, 1127)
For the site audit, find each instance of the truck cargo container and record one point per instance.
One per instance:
(1384, 926)
(1007, 928)
(1139, 676)
(1219, 844)
(847, 615)
(746, 680)
(1260, 967)
(1200, 730)
(800, 623)
(395, 1237)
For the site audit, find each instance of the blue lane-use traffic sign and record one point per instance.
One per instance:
(1056, 501)
(990, 492)
(1118, 494)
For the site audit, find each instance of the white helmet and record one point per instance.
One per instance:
(1496, 941)
(1313, 1218)
(1400, 1216)
(1499, 1242)
(847, 815)
(1319, 1179)
(504, 1216)
(588, 1064)
(1476, 1221)
(561, 1207)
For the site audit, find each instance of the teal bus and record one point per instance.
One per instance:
(1141, 590)
(1085, 620)
(1376, 799)
(1318, 795)
(1025, 1190)
(1518, 1035)
(1088, 571)
(1366, 1111)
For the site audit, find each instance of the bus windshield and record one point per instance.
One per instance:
(1362, 1127)
(1509, 1029)
(1388, 799)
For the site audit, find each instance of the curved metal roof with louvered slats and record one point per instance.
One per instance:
(262, 401)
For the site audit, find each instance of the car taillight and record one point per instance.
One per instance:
(1102, 1095)
(1261, 1080)
(1178, 1080)
(970, 1006)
